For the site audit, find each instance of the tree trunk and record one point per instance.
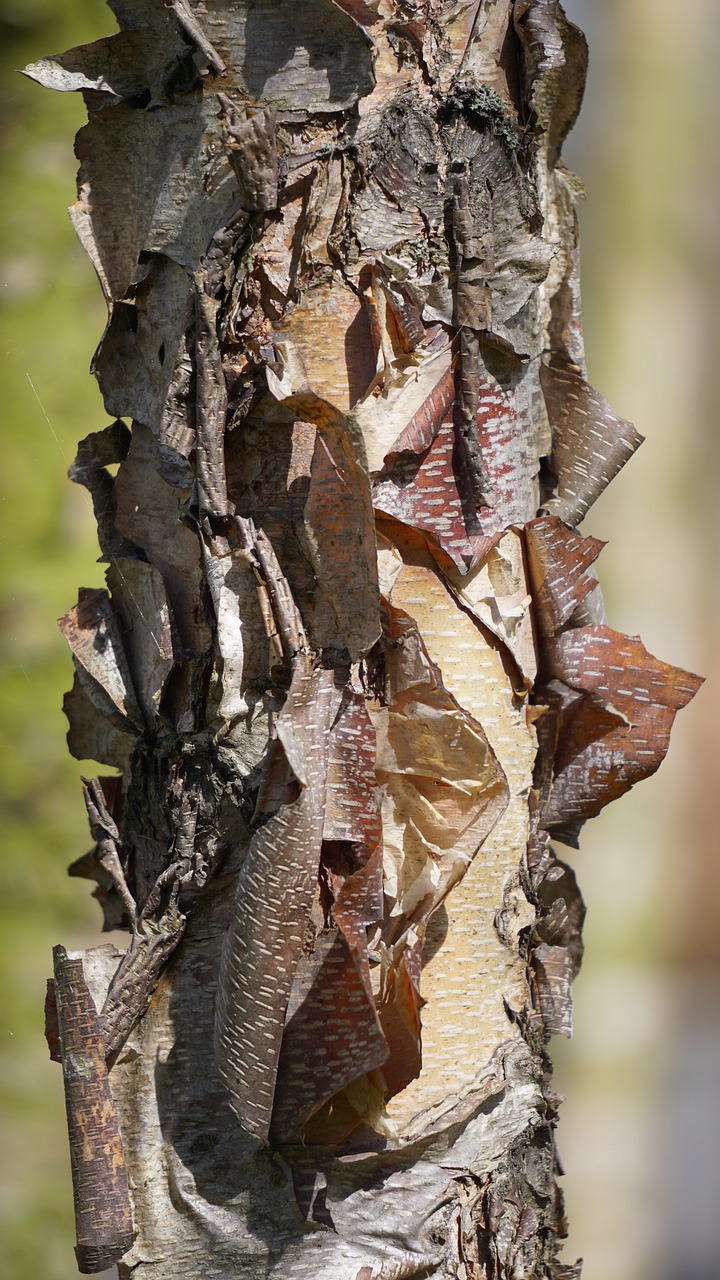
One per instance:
(352, 668)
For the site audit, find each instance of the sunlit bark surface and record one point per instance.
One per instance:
(352, 669)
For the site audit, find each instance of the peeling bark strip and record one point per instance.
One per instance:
(352, 668)
(475, 251)
(211, 408)
(275, 893)
(590, 443)
(103, 1214)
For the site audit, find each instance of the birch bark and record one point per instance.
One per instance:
(352, 671)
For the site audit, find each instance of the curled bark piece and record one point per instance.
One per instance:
(315, 1066)
(590, 443)
(497, 593)
(275, 890)
(91, 736)
(402, 305)
(93, 633)
(339, 500)
(561, 910)
(95, 453)
(332, 1036)
(445, 792)
(52, 1026)
(211, 408)
(552, 968)
(555, 61)
(157, 157)
(127, 66)
(241, 634)
(290, 627)
(153, 489)
(352, 814)
(558, 563)
(400, 1019)
(617, 731)
(384, 417)
(536, 27)
(139, 595)
(426, 421)
(561, 1271)
(105, 832)
(137, 977)
(140, 362)
(444, 789)
(432, 492)
(103, 1213)
(278, 878)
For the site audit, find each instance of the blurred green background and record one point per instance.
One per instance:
(640, 1134)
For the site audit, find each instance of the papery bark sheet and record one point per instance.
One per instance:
(352, 668)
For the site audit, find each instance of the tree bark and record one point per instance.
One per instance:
(352, 669)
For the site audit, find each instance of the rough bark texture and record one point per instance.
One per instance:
(352, 667)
